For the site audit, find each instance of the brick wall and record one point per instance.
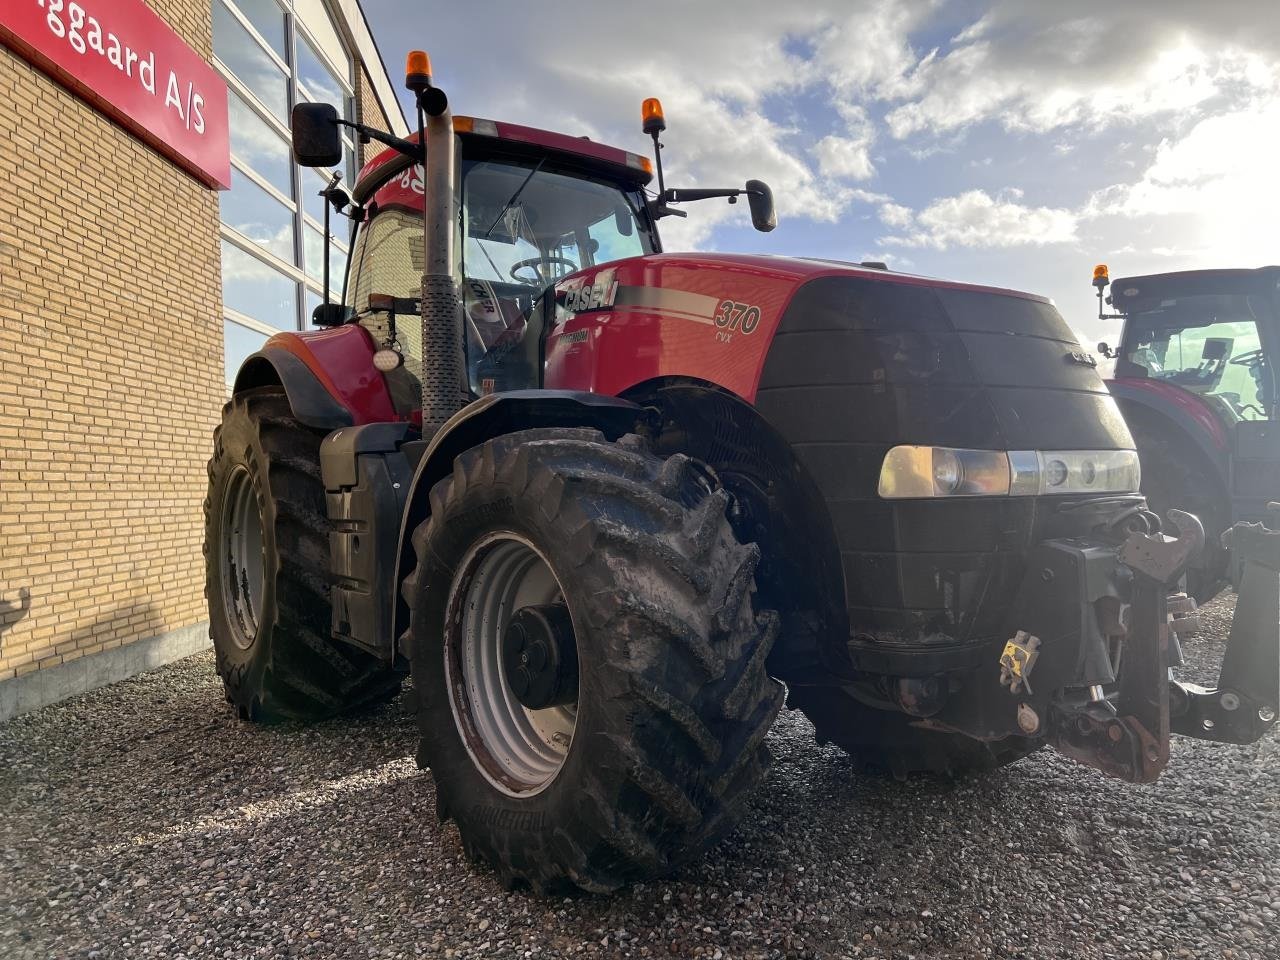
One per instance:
(371, 113)
(110, 373)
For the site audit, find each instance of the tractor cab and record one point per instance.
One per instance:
(532, 207)
(1210, 333)
(1196, 379)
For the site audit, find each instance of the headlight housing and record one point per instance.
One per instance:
(913, 472)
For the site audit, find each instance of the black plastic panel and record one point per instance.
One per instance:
(860, 365)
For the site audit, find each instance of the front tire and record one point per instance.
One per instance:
(652, 759)
(267, 571)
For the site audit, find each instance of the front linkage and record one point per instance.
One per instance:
(1094, 633)
(1126, 734)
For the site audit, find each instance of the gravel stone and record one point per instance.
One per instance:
(143, 820)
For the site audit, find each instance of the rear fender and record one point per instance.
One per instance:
(489, 417)
(328, 376)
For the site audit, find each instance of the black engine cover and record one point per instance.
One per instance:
(860, 365)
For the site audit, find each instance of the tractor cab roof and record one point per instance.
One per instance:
(1133, 294)
(516, 139)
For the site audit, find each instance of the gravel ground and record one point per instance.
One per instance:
(144, 821)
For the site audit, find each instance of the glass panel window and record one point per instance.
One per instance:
(257, 144)
(245, 57)
(314, 205)
(281, 52)
(615, 237)
(258, 215)
(317, 80)
(313, 244)
(237, 343)
(312, 202)
(322, 30)
(1208, 345)
(314, 300)
(251, 287)
(268, 19)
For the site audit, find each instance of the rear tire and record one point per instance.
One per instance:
(673, 702)
(267, 571)
(885, 743)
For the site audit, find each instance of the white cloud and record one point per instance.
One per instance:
(844, 157)
(714, 69)
(977, 219)
(1217, 184)
(740, 81)
(1043, 66)
(896, 215)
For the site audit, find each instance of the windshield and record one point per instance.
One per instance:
(1208, 344)
(523, 226)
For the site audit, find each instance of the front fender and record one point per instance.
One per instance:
(489, 417)
(1184, 411)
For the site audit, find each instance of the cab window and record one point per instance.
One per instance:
(1208, 345)
(524, 226)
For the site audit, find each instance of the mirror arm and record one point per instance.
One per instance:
(411, 150)
(1103, 299)
(662, 207)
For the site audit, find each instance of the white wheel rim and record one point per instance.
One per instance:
(241, 560)
(518, 750)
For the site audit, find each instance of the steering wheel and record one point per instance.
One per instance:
(535, 264)
(1250, 359)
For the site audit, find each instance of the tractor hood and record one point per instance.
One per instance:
(846, 362)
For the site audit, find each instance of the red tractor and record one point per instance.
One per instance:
(603, 502)
(1195, 377)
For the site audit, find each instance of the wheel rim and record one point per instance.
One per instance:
(517, 749)
(242, 563)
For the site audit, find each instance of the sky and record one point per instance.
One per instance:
(1014, 143)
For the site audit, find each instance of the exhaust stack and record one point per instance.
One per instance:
(443, 378)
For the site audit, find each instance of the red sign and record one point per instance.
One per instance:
(121, 57)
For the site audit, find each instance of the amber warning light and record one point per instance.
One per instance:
(417, 70)
(1101, 276)
(651, 114)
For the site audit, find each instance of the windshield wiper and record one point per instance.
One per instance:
(514, 197)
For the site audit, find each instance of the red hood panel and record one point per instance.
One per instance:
(707, 316)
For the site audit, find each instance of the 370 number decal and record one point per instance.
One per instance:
(732, 315)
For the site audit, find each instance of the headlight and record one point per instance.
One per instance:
(912, 472)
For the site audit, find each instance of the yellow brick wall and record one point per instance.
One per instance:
(110, 372)
(370, 113)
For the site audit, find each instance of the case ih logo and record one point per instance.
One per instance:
(126, 61)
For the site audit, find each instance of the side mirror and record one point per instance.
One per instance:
(763, 216)
(316, 140)
(1105, 349)
(331, 315)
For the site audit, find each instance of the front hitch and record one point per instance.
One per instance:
(1242, 707)
(1127, 735)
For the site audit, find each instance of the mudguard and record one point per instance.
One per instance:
(311, 403)
(328, 376)
(1184, 411)
(491, 416)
